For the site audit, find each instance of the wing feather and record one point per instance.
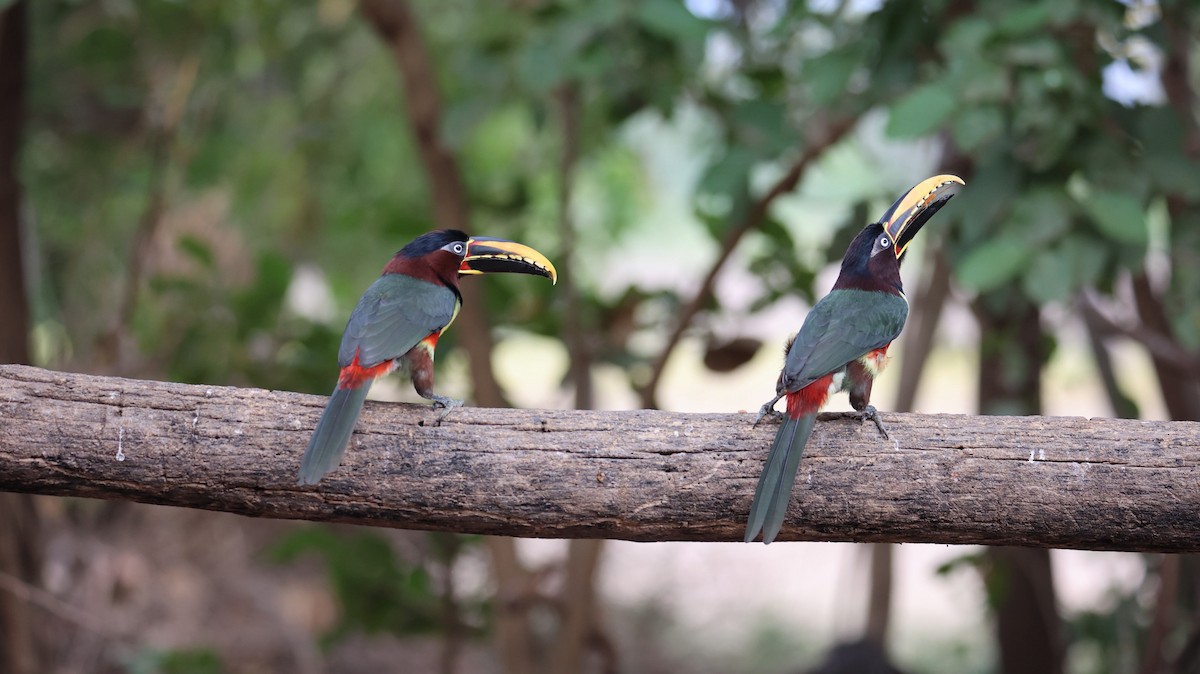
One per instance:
(843, 326)
(393, 315)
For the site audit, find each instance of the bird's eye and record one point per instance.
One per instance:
(884, 242)
(458, 248)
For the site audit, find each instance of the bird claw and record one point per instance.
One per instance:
(768, 410)
(446, 404)
(869, 412)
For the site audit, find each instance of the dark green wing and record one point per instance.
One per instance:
(843, 326)
(395, 313)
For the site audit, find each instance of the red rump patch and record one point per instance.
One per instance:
(809, 399)
(355, 375)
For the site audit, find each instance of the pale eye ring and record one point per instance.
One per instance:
(458, 249)
(884, 242)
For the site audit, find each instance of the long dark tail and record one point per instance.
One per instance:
(329, 441)
(779, 474)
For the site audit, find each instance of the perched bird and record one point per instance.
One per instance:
(397, 323)
(843, 343)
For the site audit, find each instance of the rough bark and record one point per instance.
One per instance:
(639, 475)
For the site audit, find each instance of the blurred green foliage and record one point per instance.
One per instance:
(377, 591)
(182, 661)
(261, 141)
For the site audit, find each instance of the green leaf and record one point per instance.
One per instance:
(1041, 215)
(984, 82)
(1087, 257)
(198, 250)
(762, 125)
(993, 188)
(1174, 173)
(1040, 52)
(967, 37)
(543, 65)
(728, 173)
(1027, 19)
(827, 75)
(992, 264)
(672, 20)
(976, 127)
(1118, 216)
(257, 306)
(185, 661)
(1049, 278)
(922, 111)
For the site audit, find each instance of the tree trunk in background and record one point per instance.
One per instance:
(1181, 393)
(399, 28)
(1012, 354)
(915, 348)
(579, 630)
(19, 553)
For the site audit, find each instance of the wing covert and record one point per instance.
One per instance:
(393, 315)
(842, 326)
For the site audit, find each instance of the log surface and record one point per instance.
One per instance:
(639, 475)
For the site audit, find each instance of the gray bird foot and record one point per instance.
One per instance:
(768, 410)
(446, 404)
(869, 412)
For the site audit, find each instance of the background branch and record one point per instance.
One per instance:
(753, 219)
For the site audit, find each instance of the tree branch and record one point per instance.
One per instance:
(640, 475)
(1151, 330)
(733, 236)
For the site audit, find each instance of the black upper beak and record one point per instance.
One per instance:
(486, 255)
(911, 211)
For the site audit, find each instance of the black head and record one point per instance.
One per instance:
(446, 254)
(436, 240)
(870, 262)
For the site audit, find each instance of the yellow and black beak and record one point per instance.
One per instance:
(486, 255)
(911, 211)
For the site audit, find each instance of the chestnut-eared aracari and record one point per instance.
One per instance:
(843, 343)
(397, 323)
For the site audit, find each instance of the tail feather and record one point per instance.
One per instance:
(779, 474)
(329, 441)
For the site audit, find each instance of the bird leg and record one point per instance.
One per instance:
(420, 361)
(444, 403)
(869, 412)
(768, 410)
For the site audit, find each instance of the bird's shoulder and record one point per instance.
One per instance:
(393, 315)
